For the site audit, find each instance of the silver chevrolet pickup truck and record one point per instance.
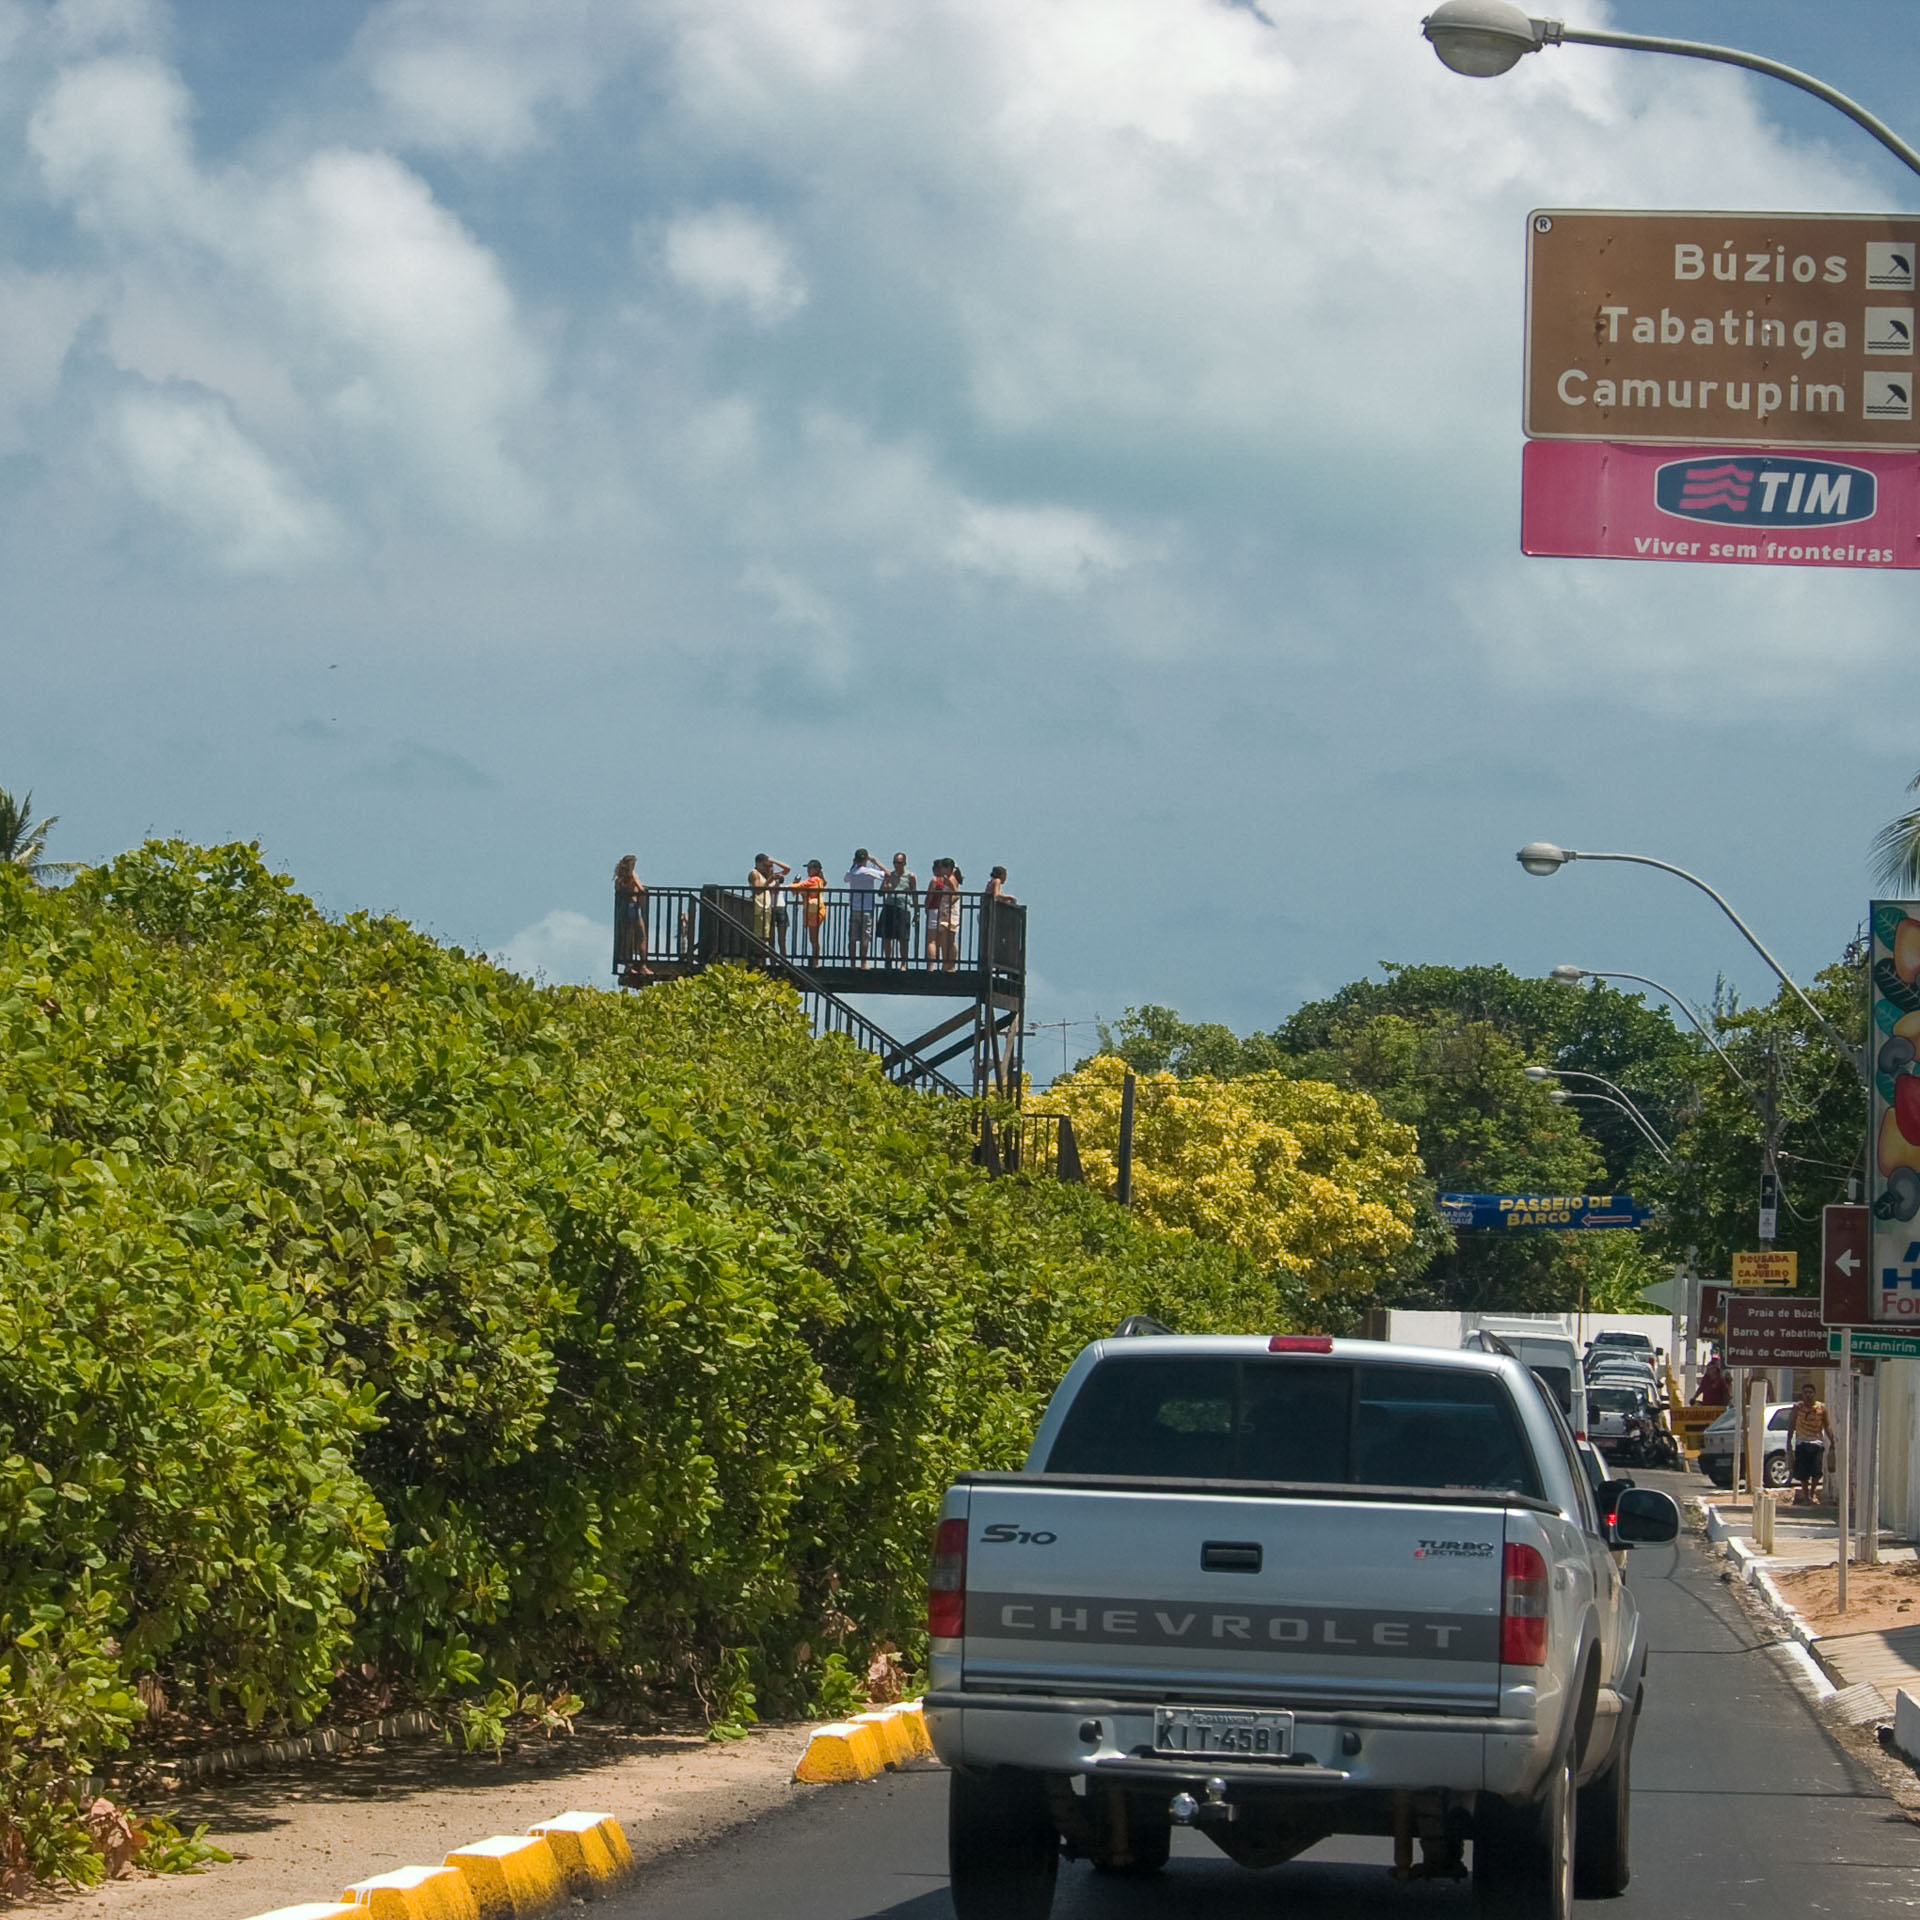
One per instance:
(1283, 1588)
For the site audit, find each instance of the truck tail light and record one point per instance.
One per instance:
(1301, 1343)
(947, 1582)
(1523, 1607)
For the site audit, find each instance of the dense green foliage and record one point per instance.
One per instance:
(1790, 1070)
(373, 1321)
(1444, 1050)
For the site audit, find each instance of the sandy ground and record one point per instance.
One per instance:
(302, 1833)
(1878, 1598)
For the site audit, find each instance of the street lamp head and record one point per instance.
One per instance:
(1481, 38)
(1542, 857)
(1568, 976)
(1560, 1096)
(1538, 1074)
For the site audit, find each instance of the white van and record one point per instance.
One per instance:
(1549, 1353)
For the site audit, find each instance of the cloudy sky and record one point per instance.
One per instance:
(455, 442)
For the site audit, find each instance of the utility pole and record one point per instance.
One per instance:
(1124, 1180)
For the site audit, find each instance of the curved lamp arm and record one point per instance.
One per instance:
(1482, 38)
(1699, 1026)
(1653, 1139)
(1734, 57)
(1540, 857)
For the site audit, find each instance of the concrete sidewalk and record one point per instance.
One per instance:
(1886, 1660)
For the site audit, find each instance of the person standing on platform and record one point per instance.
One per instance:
(813, 907)
(863, 880)
(899, 901)
(629, 923)
(764, 877)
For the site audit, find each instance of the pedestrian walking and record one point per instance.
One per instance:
(629, 922)
(863, 881)
(1810, 1433)
(1714, 1390)
(899, 902)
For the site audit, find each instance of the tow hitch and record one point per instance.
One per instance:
(1185, 1811)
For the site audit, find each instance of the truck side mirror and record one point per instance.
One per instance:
(1645, 1517)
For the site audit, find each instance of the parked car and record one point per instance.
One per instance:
(1281, 1589)
(1634, 1343)
(1610, 1406)
(1717, 1446)
(1633, 1370)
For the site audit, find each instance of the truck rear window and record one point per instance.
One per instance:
(1303, 1420)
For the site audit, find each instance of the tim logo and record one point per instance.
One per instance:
(1765, 490)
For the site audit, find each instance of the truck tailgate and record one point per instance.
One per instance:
(1178, 1594)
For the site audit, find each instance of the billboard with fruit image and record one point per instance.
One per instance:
(1893, 1157)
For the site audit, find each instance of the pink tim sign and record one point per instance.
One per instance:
(1599, 500)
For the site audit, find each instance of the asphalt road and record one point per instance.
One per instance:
(1742, 1807)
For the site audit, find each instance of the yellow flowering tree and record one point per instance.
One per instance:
(1303, 1176)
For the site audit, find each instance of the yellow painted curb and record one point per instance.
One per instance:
(314, 1910)
(413, 1893)
(589, 1849)
(845, 1750)
(511, 1876)
(913, 1716)
(895, 1741)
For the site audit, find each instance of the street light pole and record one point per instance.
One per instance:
(1623, 1104)
(1542, 857)
(1482, 38)
(1572, 976)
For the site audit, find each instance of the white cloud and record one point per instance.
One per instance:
(562, 947)
(39, 316)
(357, 245)
(475, 76)
(729, 256)
(186, 457)
(1057, 549)
(333, 296)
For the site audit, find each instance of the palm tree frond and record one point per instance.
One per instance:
(1896, 851)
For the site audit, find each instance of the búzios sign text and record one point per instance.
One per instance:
(1729, 329)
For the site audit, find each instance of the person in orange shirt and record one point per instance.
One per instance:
(812, 896)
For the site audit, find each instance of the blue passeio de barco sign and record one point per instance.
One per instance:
(1558, 1212)
(1765, 490)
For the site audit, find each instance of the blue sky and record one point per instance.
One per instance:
(456, 442)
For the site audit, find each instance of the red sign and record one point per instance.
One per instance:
(1775, 1333)
(1793, 508)
(1846, 1264)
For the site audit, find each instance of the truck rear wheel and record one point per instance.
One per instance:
(1601, 1862)
(1002, 1850)
(1523, 1857)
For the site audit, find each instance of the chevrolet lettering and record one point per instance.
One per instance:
(1292, 1587)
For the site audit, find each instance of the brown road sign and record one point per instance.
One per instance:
(1723, 329)
(1846, 1263)
(1713, 1306)
(1775, 1333)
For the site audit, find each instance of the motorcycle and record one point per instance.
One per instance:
(1648, 1444)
